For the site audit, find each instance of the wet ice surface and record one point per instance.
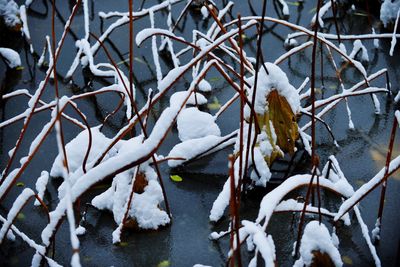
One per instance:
(185, 242)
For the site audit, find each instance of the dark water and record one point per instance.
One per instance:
(185, 242)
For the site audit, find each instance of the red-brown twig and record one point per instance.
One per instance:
(314, 161)
(384, 184)
(234, 210)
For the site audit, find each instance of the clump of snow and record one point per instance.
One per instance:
(10, 235)
(177, 98)
(204, 12)
(259, 239)
(376, 232)
(389, 9)
(290, 43)
(10, 12)
(316, 237)
(76, 151)
(144, 206)
(11, 57)
(204, 86)
(193, 123)
(80, 230)
(376, 41)
(192, 148)
(276, 79)
(357, 47)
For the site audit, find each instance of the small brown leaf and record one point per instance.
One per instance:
(140, 183)
(321, 260)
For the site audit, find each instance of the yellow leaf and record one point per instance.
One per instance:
(360, 182)
(21, 216)
(377, 156)
(123, 244)
(165, 263)
(176, 178)
(215, 79)
(214, 105)
(293, 3)
(86, 258)
(347, 260)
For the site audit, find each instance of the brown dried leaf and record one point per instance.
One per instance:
(321, 260)
(140, 183)
(284, 121)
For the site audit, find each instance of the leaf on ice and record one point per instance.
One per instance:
(359, 182)
(164, 263)
(176, 178)
(214, 105)
(347, 260)
(123, 244)
(215, 79)
(21, 216)
(293, 3)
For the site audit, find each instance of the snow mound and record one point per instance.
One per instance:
(316, 237)
(389, 10)
(179, 97)
(193, 123)
(275, 79)
(76, 151)
(10, 12)
(11, 57)
(191, 148)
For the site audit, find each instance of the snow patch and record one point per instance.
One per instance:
(193, 123)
